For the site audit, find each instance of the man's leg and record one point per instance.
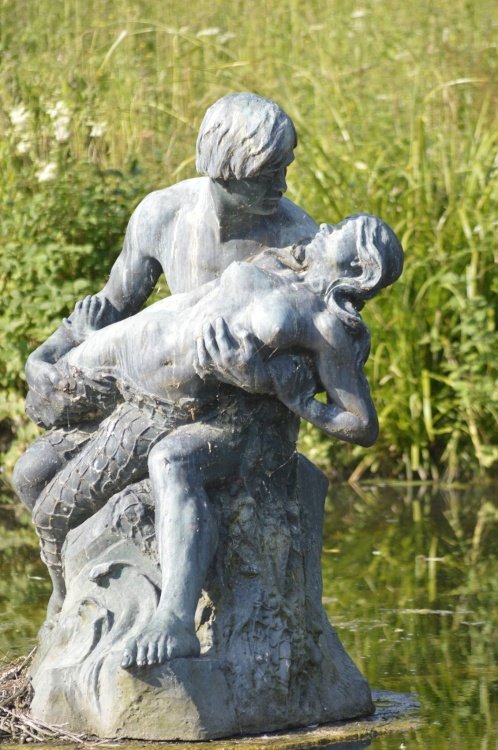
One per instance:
(180, 465)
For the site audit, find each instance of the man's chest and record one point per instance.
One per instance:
(196, 256)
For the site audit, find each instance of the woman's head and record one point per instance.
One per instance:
(356, 259)
(362, 252)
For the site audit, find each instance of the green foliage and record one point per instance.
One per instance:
(59, 239)
(396, 111)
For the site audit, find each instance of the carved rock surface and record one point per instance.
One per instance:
(269, 657)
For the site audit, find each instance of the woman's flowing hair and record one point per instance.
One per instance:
(379, 257)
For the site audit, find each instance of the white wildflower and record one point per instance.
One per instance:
(61, 132)
(316, 27)
(19, 117)
(58, 111)
(23, 146)
(61, 119)
(359, 13)
(47, 172)
(212, 31)
(223, 38)
(98, 130)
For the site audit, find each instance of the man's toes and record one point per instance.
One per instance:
(171, 648)
(162, 649)
(142, 654)
(152, 653)
(129, 655)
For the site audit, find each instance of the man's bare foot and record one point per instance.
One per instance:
(165, 637)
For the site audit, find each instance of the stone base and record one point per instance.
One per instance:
(395, 713)
(269, 658)
(178, 700)
(186, 699)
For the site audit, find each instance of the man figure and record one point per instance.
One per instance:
(191, 231)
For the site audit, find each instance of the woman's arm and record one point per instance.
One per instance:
(350, 413)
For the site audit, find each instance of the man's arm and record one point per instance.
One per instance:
(233, 360)
(89, 315)
(130, 283)
(55, 396)
(136, 271)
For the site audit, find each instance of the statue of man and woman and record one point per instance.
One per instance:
(264, 315)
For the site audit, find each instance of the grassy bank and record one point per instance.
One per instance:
(395, 106)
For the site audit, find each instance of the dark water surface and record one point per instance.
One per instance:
(410, 583)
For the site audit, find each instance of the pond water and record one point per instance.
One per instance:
(410, 583)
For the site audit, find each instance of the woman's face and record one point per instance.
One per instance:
(340, 249)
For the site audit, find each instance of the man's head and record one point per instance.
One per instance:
(241, 134)
(245, 145)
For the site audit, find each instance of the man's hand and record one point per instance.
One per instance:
(236, 361)
(89, 315)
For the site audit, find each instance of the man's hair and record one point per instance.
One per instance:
(241, 134)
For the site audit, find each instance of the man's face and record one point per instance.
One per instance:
(260, 194)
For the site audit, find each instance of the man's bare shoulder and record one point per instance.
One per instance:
(166, 202)
(294, 224)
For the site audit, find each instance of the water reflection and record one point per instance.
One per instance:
(344, 746)
(410, 583)
(24, 585)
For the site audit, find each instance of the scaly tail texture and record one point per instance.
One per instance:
(115, 457)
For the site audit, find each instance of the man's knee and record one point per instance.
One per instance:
(161, 455)
(169, 455)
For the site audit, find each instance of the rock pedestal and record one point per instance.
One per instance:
(269, 657)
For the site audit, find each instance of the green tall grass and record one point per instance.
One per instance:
(395, 105)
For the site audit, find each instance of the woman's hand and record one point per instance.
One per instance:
(294, 383)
